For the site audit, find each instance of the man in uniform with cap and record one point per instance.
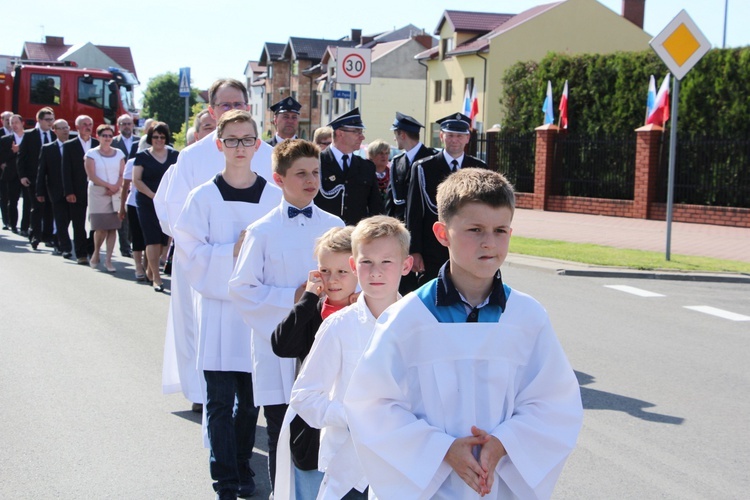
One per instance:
(421, 205)
(406, 132)
(348, 185)
(285, 120)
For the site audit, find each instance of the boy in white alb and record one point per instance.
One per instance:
(380, 257)
(464, 389)
(209, 233)
(271, 274)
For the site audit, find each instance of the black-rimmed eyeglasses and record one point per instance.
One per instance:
(232, 142)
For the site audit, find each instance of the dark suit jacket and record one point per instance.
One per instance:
(272, 142)
(49, 174)
(75, 180)
(8, 157)
(28, 154)
(362, 197)
(420, 216)
(395, 202)
(118, 143)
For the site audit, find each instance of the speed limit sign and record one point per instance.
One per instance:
(353, 66)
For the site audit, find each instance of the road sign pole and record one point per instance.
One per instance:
(187, 116)
(352, 98)
(672, 161)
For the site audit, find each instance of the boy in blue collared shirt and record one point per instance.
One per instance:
(464, 388)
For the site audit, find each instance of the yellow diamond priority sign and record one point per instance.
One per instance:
(680, 45)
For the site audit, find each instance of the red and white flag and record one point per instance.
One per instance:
(660, 112)
(564, 107)
(474, 108)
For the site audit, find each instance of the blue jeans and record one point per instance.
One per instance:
(231, 419)
(307, 483)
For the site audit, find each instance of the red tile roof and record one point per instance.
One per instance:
(477, 22)
(50, 52)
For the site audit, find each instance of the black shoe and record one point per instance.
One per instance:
(83, 261)
(6, 227)
(127, 253)
(56, 251)
(14, 229)
(67, 255)
(34, 244)
(24, 232)
(159, 288)
(197, 408)
(49, 244)
(247, 489)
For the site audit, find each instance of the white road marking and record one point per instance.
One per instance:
(635, 291)
(721, 313)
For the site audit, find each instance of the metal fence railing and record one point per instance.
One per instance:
(595, 166)
(511, 154)
(708, 171)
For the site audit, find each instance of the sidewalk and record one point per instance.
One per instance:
(687, 239)
(701, 240)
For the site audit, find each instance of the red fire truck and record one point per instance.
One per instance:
(70, 91)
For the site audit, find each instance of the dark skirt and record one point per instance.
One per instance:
(136, 233)
(150, 226)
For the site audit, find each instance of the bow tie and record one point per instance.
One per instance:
(294, 212)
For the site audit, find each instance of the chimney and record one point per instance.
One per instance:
(633, 11)
(54, 40)
(356, 36)
(424, 40)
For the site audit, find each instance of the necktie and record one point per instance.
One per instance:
(294, 212)
(345, 162)
(454, 166)
(46, 137)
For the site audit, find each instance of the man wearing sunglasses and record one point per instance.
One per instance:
(348, 185)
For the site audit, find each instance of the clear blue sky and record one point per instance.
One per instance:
(217, 38)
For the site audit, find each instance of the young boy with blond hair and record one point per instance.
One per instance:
(464, 389)
(271, 274)
(330, 288)
(208, 233)
(380, 257)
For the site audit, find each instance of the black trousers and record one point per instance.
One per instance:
(41, 219)
(274, 418)
(61, 213)
(11, 192)
(80, 238)
(28, 196)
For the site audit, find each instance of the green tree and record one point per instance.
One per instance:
(162, 101)
(179, 137)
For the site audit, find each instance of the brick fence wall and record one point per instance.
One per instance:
(642, 206)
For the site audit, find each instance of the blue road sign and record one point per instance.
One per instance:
(184, 82)
(343, 94)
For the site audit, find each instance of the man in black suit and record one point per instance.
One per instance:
(49, 186)
(10, 186)
(40, 213)
(426, 174)
(348, 185)
(406, 132)
(285, 120)
(5, 123)
(75, 182)
(126, 142)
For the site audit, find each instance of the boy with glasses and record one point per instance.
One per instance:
(209, 234)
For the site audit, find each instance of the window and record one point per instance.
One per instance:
(314, 100)
(295, 68)
(447, 46)
(469, 84)
(438, 90)
(91, 91)
(45, 89)
(448, 89)
(270, 72)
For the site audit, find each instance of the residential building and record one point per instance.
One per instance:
(85, 55)
(255, 81)
(476, 48)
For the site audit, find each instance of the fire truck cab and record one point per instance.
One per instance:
(102, 94)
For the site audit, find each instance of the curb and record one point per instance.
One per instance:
(566, 268)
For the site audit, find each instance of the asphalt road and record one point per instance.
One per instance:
(664, 387)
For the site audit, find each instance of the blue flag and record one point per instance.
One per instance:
(547, 109)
